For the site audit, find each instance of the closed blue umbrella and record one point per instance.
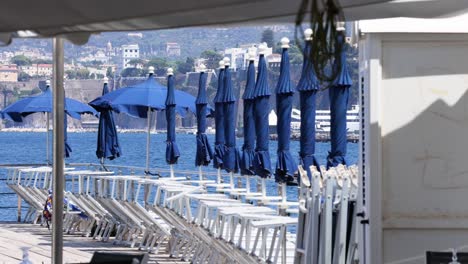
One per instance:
(219, 120)
(107, 142)
(231, 155)
(248, 149)
(204, 152)
(172, 150)
(339, 94)
(285, 166)
(261, 109)
(308, 86)
(68, 149)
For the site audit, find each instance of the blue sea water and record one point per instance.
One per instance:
(26, 147)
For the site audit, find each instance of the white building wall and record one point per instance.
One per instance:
(413, 146)
(129, 52)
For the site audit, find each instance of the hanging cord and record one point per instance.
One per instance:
(325, 52)
(147, 172)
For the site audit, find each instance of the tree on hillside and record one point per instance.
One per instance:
(160, 65)
(132, 72)
(212, 58)
(78, 74)
(20, 60)
(42, 61)
(23, 77)
(295, 53)
(135, 62)
(268, 37)
(187, 66)
(109, 72)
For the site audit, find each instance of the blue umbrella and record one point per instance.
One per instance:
(107, 142)
(139, 100)
(248, 149)
(219, 120)
(231, 155)
(135, 100)
(285, 166)
(308, 86)
(172, 150)
(339, 94)
(204, 152)
(261, 109)
(43, 103)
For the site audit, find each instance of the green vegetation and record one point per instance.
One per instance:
(212, 58)
(132, 72)
(160, 65)
(187, 66)
(42, 61)
(23, 77)
(20, 60)
(79, 74)
(109, 72)
(268, 37)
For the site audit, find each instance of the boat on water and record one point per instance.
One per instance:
(322, 120)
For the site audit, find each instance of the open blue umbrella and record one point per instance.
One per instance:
(139, 100)
(248, 149)
(219, 120)
(136, 99)
(285, 166)
(308, 86)
(204, 153)
(107, 142)
(339, 94)
(231, 155)
(43, 103)
(172, 150)
(261, 109)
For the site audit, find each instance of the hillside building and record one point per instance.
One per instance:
(172, 49)
(129, 52)
(8, 73)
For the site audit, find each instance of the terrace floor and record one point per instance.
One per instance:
(77, 249)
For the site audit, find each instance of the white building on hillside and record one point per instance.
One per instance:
(240, 56)
(129, 52)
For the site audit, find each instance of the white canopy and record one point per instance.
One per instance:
(51, 17)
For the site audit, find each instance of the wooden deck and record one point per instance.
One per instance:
(77, 249)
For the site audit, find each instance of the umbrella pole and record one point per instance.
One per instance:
(47, 139)
(283, 193)
(59, 151)
(219, 176)
(148, 117)
(147, 172)
(200, 174)
(231, 180)
(263, 187)
(247, 183)
(171, 169)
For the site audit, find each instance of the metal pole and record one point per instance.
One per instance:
(59, 151)
(47, 139)
(146, 191)
(148, 117)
